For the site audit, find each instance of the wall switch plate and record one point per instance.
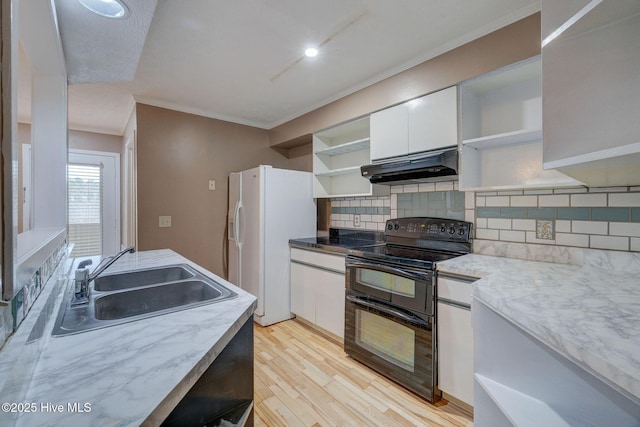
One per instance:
(356, 220)
(164, 221)
(544, 229)
(212, 184)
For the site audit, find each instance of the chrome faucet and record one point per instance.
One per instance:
(83, 278)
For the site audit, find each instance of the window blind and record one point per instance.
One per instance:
(85, 208)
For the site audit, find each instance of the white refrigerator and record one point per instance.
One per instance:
(267, 207)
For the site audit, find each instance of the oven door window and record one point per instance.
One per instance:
(403, 290)
(389, 340)
(387, 282)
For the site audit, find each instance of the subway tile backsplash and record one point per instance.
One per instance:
(373, 211)
(598, 218)
(439, 204)
(428, 199)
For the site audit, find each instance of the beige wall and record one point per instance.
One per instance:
(178, 154)
(300, 158)
(510, 44)
(81, 140)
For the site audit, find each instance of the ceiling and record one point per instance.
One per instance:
(242, 60)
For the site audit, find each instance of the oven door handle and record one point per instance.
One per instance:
(386, 309)
(387, 269)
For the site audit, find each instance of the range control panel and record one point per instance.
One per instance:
(424, 228)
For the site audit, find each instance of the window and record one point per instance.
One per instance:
(85, 209)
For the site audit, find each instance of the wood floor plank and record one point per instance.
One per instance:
(367, 414)
(258, 421)
(283, 383)
(396, 411)
(301, 408)
(304, 379)
(316, 374)
(279, 414)
(260, 390)
(379, 404)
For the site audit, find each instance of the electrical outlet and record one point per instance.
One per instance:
(545, 229)
(164, 221)
(212, 184)
(356, 220)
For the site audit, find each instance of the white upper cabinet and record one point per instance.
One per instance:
(591, 91)
(389, 135)
(433, 121)
(501, 126)
(422, 124)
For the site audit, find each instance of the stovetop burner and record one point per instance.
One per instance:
(422, 258)
(419, 242)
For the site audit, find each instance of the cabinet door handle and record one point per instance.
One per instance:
(237, 224)
(388, 310)
(351, 262)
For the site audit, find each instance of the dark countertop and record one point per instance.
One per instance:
(339, 240)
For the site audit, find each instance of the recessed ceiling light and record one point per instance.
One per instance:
(106, 8)
(311, 52)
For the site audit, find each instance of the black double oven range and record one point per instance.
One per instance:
(390, 299)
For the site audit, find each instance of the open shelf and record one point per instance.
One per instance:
(338, 154)
(346, 184)
(348, 147)
(501, 127)
(342, 171)
(507, 167)
(507, 138)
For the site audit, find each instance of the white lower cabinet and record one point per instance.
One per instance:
(318, 289)
(455, 338)
(302, 291)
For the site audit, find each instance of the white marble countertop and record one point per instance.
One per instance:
(133, 373)
(589, 313)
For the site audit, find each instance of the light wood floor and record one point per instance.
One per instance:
(304, 379)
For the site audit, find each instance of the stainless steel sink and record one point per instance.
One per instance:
(120, 305)
(134, 279)
(134, 295)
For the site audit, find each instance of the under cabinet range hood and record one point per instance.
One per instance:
(437, 165)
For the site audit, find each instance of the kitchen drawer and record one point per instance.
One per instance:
(454, 290)
(319, 259)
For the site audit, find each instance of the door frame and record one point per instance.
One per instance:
(111, 196)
